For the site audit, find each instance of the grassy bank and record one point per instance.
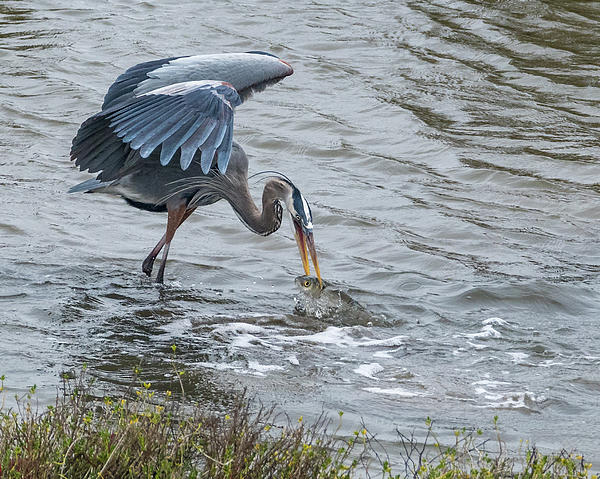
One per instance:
(142, 435)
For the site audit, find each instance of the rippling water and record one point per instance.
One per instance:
(449, 150)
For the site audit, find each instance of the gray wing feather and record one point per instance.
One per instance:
(224, 151)
(87, 186)
(170, 117)
(122, 89)
(174, 121)
(140, 118)
(165, 131)
(211, 148)
(154, 134)
(135, 125)
(88, 147)
(171, 144)
(113, 163)
(208, 153)
(123, 116)
(97, 161)
(150, 130)
(189, 148)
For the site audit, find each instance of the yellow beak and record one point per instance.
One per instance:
(306, 245)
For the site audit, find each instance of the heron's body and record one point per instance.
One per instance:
(163, 141)
(150, 188)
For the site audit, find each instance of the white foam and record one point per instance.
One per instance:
(513, 400)
(393, 392)
(503, 398)
(488, 383)
(243, 335)
(551, 362)
(238, 328)
(499, 321)
(518, 357)
(217, 366)
(476, 346)
(248, 335)
(342, 338)
(177, 328)
(332, 335)
(368, 370)
(482, 391)
(293, 359)
(263, 368)
(486, 332)
(383, 354)
(390, 342)
(243, 341)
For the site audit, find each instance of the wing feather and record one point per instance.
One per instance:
(207, 150)
(122, 89)
(137, 124)
(174, 141)
(166, 130)
(224, 151)
(190, 146)
(211, 148)
(98, 161)
(146, 137)
(123, 115)
(140, 135)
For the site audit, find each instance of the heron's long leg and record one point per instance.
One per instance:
(177, 216)
(148, 263)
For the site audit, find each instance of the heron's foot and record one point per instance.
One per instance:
(148, 264)
(161, 273)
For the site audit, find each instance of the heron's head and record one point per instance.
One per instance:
(281, 188)
(301, 215)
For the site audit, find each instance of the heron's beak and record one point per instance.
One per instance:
(306, 245)
(310, 243)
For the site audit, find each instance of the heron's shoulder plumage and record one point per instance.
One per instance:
(123, 87)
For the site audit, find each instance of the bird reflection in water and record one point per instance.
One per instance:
(164, 142)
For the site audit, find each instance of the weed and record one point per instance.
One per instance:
(141, 435)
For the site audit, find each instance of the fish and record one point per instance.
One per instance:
(326, 300)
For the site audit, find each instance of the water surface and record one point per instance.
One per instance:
(449, 150)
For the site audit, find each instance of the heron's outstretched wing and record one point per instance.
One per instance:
(191, 116)
(176, 104)
(247, 72)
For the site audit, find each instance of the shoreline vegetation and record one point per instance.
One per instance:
(144, 434)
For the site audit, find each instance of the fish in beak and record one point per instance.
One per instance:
(306, 245)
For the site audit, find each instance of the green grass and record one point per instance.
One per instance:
(142, 435)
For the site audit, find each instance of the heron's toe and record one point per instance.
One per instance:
(147, 265)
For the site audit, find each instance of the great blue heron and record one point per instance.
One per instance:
(181, 109)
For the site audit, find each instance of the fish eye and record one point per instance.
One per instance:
(306, 283)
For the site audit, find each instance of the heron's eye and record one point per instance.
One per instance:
(298, 217)
(306, 284)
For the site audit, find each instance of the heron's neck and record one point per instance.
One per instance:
(262, 222)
